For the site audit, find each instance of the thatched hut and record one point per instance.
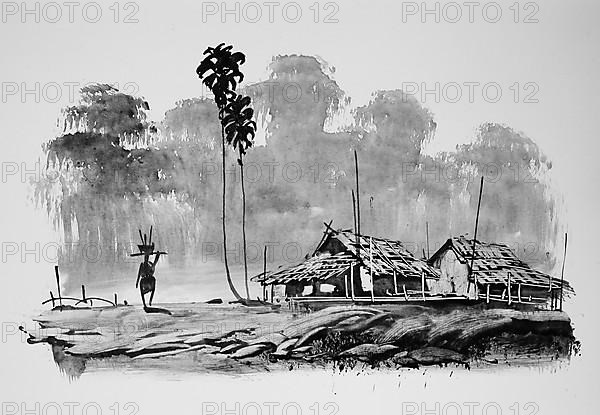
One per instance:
(497, 273)
(347, 265)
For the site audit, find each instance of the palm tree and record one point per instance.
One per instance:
(240, 131)
(219, 71)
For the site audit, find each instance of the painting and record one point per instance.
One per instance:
(242, 207)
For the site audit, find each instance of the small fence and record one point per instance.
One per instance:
(84, 299)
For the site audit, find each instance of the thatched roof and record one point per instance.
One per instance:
(387, 256)
(493, 262)
(320, 268)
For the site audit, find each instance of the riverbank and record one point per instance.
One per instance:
(237, 339)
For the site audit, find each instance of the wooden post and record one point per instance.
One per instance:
(487, 293)
(371, 269)
(354, 212)
(427, 237)
(83, 293)
(346, 284)
(357, 194)
(405, 293)
(519, 292)
(423, 284)
(357, 231)
(116, 299)
(509, 293)
(395, 284)
(352, 282)
(264, 272)
(58, 285)
(562, 273)
(52, 298)
(475, 239)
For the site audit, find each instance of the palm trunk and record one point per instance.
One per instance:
(244, 223)
(229, 281)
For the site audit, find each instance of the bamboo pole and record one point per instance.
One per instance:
(83, 292)
(352, 281)
(58, 285)
(371, 268)
(509, 293)
(116, 300)
(519, 292)
(405, 293)
(423, 284)
(264, 267)
(52, 297)
(346, 284)
(395, 284)
(427, 237)
(562, 273)
(487, 293)
(357, 194)
(354, 212)
(475, 237)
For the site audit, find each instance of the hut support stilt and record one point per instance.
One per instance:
(423, 284)
(509, 293)
(352, 281)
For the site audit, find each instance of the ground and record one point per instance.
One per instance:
(237, 339)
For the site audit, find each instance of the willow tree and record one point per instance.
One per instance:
(220, 72)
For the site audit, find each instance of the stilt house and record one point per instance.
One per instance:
(354, 267)
(497, 274)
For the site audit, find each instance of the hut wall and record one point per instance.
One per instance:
(454, 275)
(294, 288)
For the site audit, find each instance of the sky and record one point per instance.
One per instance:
(550, 56)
